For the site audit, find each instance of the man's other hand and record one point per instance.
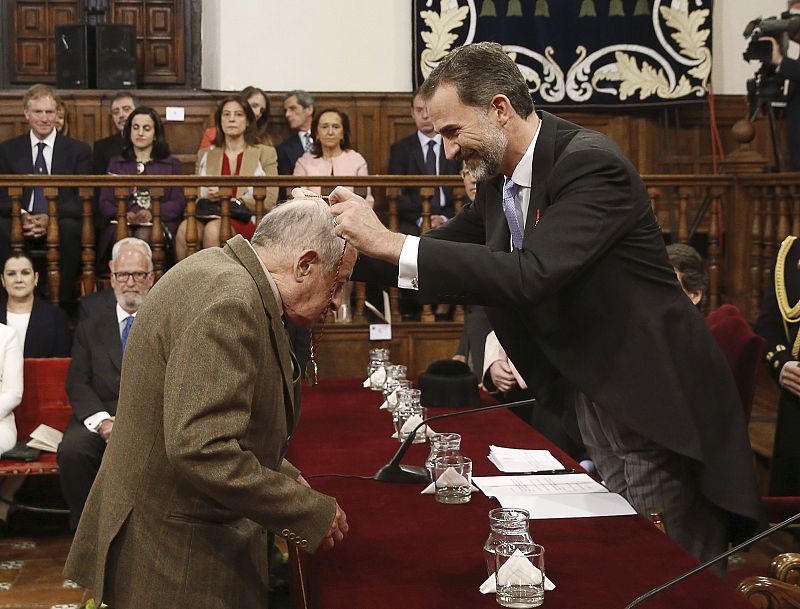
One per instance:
(104, 429)
(502, 376)
(777, 57)
(338, 529)
(790, 377)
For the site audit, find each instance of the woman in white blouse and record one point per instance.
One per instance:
(11, 363)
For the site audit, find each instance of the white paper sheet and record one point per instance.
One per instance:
(512, 460)
(575, 505)
(560, 484)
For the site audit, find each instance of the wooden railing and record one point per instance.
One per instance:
(736, 220)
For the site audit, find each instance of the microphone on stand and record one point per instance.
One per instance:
(708, 563)
(394, 472)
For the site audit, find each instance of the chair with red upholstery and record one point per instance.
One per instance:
(742, 347)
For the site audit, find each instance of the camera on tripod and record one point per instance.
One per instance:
(780, 28)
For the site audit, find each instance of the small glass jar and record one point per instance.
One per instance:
(376, 369)
(443, 445)
(507, 526)
(395, 372)
(390, 390)
(409, 406)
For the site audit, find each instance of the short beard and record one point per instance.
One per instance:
(130, 301)
(491, 152)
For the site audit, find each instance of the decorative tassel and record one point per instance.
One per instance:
(488, 9)
(542, 9)
(514, 9)
(641, 9)
(615, 9)
(588, 9)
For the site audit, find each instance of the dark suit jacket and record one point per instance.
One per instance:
(103, 151)
(289, 150)
(405, 158)
(70, 157)
(48, 330)
(94, 372)
(592, 304)
(790, 69)
(96, 301)
(194, 471)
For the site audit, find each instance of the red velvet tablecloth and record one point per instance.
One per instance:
(406, 551)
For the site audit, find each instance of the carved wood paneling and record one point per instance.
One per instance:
(33, 38)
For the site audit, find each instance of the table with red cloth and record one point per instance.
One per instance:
(405, 550)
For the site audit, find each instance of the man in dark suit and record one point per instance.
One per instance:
(562, 247)
(43, 150)
(298, 108)
(421, 154)
(94, 372)
(103, 150)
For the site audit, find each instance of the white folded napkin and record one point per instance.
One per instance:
(377, 378)
(431, 489)
(390, 403)
(516, 568)
(428, 433)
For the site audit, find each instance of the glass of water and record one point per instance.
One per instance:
(519, 575)
(452, 475)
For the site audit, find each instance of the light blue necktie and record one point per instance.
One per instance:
(125, 331)
(510, 210)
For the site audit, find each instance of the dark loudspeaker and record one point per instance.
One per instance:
(74, 47)
(95, 57)
(115, 60)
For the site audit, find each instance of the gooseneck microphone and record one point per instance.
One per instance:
(394, 472)
(708, 563)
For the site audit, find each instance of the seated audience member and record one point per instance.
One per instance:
(421, 153)
(103, 150)
(45, 151)
(778, 324)
(62, 119)
(42, 327)
(94, 372)
(145, 151)
(691, 271)
(331, 153)
(11, 386)
(298, 109)
(236, 151)
(259, 103)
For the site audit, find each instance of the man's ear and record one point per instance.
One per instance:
(501, 105)
(304, 264)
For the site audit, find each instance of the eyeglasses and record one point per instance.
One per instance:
(138, 276)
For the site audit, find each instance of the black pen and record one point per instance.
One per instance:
(546, 472)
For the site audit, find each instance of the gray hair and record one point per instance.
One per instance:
(479, 72)
(304, 98)
(123, 94)
(132, 242)
(297, 225)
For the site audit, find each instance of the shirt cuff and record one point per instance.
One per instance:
(407, 275)
(92, 422)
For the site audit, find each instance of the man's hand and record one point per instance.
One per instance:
(437, 220)
(790, 377)
(357, 223)
(776, 58)
(34, 226)
(502, 377)
(338, 529)
(104, 429)
(459, 358)
(141, 216)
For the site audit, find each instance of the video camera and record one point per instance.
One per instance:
(780, 28)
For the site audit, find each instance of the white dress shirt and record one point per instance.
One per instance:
(522, 176)
(50, 141)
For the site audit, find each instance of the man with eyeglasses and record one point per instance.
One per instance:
(93, 379)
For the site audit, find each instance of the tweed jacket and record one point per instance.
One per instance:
(194, 472)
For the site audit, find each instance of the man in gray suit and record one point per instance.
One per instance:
(94, 372)
(195, 474)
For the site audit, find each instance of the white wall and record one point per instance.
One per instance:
(344, 45)
(365, 45)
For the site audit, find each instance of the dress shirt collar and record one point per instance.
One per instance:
(424, 139)
(50, 140)
(122, 314)
(270, 280)
(523, 172)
